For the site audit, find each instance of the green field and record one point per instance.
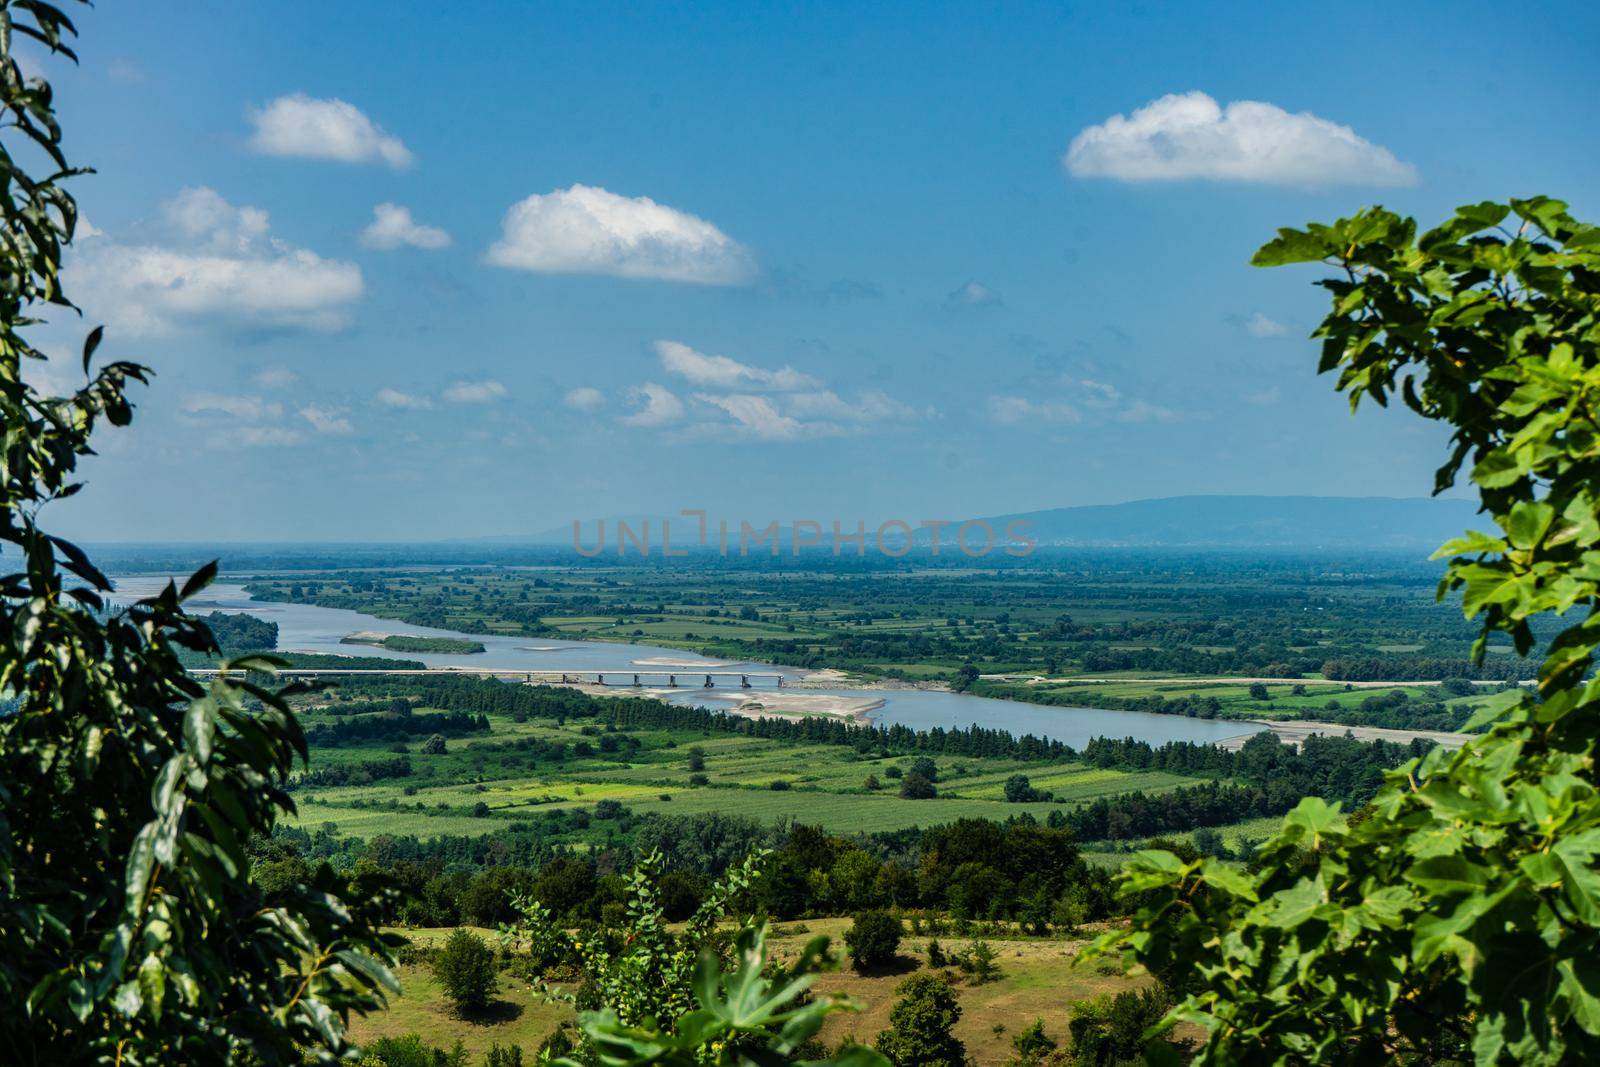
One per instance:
(826, 784)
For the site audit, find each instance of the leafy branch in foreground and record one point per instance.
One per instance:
(1458, 917)
(131, 931)
(665, 997)
(740, 1018)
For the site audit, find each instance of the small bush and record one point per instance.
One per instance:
(465, 969)
(873, 939)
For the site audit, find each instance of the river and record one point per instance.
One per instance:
(309, 628)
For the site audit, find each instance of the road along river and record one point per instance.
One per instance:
(308, 628)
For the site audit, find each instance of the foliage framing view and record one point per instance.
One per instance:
(1460, 915)
(130, 929)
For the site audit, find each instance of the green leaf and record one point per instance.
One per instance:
(1290, 246)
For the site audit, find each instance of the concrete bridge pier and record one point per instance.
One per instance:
(708, 681)
(636, 681)
(672, 681)
(744, 681)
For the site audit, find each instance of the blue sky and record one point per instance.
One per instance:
(306, 224)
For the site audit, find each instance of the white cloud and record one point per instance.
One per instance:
(326, 420)
(256, 436)
(588, 230)
(868, 407)
(251, 408)
(474, 392)
(300, 125)
(1014, 410)
(274, 378)
(974, 294)
(758, 417)
(236, 420)
(393, 226)
(585, 398)
(655, 405)
(223, 267)
(1144, 411)
(394, 398)
(1265, 397)
(1187, 136)
(720, 372)
(1098, 394)
(1258, 325)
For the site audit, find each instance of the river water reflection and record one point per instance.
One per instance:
(308, 628)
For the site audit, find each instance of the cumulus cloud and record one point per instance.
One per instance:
(733, 398)
(1258, 325)
(720, 372)
(257, 436)
(654, 405)
(326, 420)
(867, 407)
(1189, 136)
(274, 378)
(251, 408)
(392, 227)
(300, 125)
(585, 398)
(1144, 411)
(474, 392)
(974, 294)
(394, 398)
(1015, 410)
(588, 230)
(221, 266)
(239, 421)
(758, 417)
(1084, 399)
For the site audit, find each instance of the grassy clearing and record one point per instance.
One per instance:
(1038, 979)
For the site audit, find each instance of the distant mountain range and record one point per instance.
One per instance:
(1170, 522)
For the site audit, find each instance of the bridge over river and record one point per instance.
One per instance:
(674, 678)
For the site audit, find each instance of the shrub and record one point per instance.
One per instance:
(1032, 1045)
(916, 787)
(978, 961)
(920, 1025)
(434, 746)
(873, 939)
(1110, 1030)
(465, 969)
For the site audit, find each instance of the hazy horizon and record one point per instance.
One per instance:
(801, 262)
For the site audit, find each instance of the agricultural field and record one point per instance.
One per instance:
(482, 783)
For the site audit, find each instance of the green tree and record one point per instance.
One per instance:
(465, 969)
(1113, 1030)
(1032, 1045)
(1458, 917)
(920, 1025)
(1018, 790)
(134, 929)
(873, 939)
(503, 1056)
(915, 786)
